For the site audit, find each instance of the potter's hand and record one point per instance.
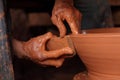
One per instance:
(35, 50)
(64, 10)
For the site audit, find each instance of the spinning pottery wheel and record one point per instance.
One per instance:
(99, 49)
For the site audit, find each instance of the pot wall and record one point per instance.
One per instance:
(100, 53)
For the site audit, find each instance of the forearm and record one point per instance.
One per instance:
(18, 48)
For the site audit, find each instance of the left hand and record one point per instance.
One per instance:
(35, 49)
(66, 11)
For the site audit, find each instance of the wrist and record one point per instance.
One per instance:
(18, 48)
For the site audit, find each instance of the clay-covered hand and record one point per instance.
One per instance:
(35, 50)
(65, 11)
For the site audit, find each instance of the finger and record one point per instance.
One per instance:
(72, 21)
(79, 19)
(58, 53)
(53, 62)
(58, 22)
(46, 37)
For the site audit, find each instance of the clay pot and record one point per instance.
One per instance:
(99, 49)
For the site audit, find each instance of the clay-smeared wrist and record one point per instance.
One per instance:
(18, 48)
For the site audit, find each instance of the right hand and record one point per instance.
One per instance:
(62, 11)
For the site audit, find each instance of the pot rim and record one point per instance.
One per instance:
(100, 32)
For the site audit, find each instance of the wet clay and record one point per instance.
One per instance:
(35, 50)
(99, 49)
(56, 43)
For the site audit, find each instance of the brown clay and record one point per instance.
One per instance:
(104, 30)
(100, 51)
(56, 43)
